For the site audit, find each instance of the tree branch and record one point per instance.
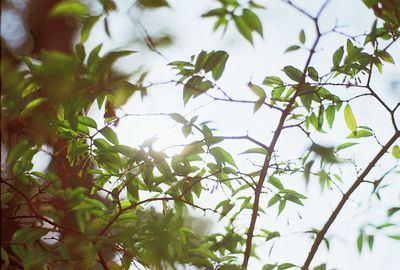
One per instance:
(321, 234)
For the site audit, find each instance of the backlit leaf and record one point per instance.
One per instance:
(243, 28)
(349, 118)
(293, 73)
(252, 20)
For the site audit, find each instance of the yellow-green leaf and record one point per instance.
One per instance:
(396, 151)
(350, 119)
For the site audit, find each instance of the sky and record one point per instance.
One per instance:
(252, 63)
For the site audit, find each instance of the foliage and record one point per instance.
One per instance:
(102, 204)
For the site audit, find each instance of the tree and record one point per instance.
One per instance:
(100, 204)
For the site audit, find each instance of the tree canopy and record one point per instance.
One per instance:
(243, 170)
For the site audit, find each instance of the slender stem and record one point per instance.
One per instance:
(321, 234)
(271, 147)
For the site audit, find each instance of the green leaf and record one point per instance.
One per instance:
(32, 105)
(274, 200)
(218, 12)
(87, 121)
(302, 37)
(5, 197)
(312, 72)
(396, 151)
(294, 200)
(110, 135)
(258, 104)
(222, 156)
(69, 7)
(330, 114)
(257, 150)
(4, 257)
(345, 145)
(122, 92)
(385, 56)
(360, 134)
(153, 3)
(320, 267)
(80, 52)
(275, 182)
(243, 28)
(272, 235)
(252, 20)
(259, 91)
(293, 73)
(194, 87)
(292, 48)
(87, 26)
(395, 236)
(282, 204)
(178, 118)
(216, 63)
(370, 239)
(392, 211)
(200, 61)
(186, 130)
(272, 80)
(350, 119)
(337, 56)
(360, 240)
(18, 150)
(286, 266)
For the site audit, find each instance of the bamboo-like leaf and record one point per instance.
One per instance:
(350, 119)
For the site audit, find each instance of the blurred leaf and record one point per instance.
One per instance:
(370, 239)
(32, 105)
(302, 36)
(282, 204)
(360, 240)
(87, 26)
(87, 121)
(360, 134)
(395, 236)
(292, 48)
(178, 118)
(153, 3)
(221, 155)
(286, 266)
(259, 91)
(252, 20)
(396, 151)
(243, 28)
(258, 150)
(69, 7)
(392, 211)
(345, 145)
